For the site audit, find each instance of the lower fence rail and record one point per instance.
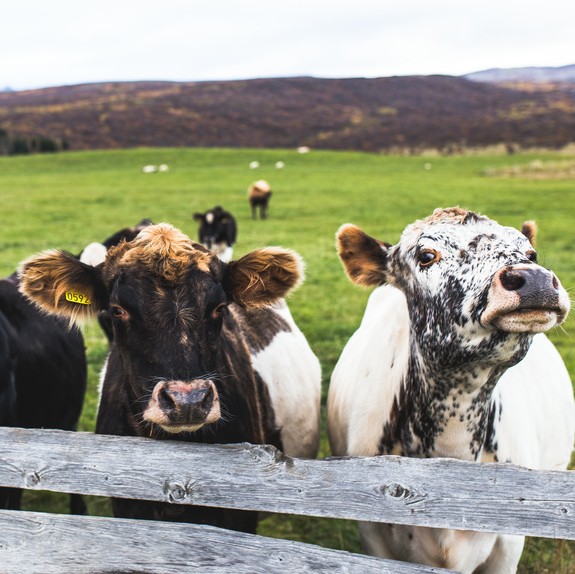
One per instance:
(36, 543)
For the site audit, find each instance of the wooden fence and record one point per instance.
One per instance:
(426, 492)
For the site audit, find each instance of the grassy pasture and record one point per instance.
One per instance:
(69, 200)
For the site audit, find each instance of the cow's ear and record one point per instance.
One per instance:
(60, 283)
(263, 276)
(529, 229)
(198, 216)
(364, 258)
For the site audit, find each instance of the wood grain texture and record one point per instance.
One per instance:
(426, 492)
(34, 543)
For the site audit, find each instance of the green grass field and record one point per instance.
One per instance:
(69, 200)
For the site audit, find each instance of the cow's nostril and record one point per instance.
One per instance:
(512, 280)
(208, 400)
(555, 282)
(165, 400)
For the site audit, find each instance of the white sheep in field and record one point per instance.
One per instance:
(150, 169)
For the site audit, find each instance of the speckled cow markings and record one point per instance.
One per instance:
(431, 371)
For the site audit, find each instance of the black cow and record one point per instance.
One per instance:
(189, 332)
(218, 231)
(259, 194)
(42, 373)
(94, 253)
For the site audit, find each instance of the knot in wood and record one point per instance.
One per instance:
(395, 490)
(32, 479)
(175, 491)
(271, 455)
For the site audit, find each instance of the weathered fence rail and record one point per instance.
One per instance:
(430, 492)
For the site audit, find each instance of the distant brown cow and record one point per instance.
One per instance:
(259, 193)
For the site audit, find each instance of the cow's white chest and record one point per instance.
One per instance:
(368, 376)
(292, 375)
(457, 432)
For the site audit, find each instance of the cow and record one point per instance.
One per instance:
(42, 373)
(94, 253)
(259, 193)
(218, 231)
(451, 360)
(202, 350)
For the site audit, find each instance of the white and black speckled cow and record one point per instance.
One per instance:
(450, 361)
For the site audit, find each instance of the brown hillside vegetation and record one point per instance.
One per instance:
(412, 113)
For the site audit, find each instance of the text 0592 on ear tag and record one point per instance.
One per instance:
(77, 298)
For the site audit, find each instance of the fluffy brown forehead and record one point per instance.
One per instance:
(455, 215)
(163, 250)
(446, 215)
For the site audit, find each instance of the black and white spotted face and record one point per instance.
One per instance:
(470, 283)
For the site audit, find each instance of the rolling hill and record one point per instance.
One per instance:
(396, 113)
(532, 74)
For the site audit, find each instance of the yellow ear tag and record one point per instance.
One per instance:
(77, 298)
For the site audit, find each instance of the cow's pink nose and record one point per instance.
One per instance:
(525, 299)
(535, 285)
(179, 397)
(179, 406)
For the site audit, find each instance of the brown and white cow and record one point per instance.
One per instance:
(450, 360)
(201, 350)
(259, 194)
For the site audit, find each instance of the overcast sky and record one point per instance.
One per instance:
(61, 42)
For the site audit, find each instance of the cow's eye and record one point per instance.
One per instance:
(532, 256)
(218, 310)
(119, 312)
(427, 257)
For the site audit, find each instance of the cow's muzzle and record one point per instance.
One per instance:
(183, 406)
(208, 241)
(525, 299)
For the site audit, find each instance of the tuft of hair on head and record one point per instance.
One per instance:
(163, 249)
(529, 229)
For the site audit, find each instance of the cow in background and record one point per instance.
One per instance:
(95, 253)
(218, 232)
(42, 373)
(450, 360)
(201, 351)
(259, 194)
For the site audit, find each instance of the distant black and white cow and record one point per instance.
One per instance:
(430, 371)
(94, 253)
(218, 232)
(201, 351)
(259, 194)
(42, 373)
